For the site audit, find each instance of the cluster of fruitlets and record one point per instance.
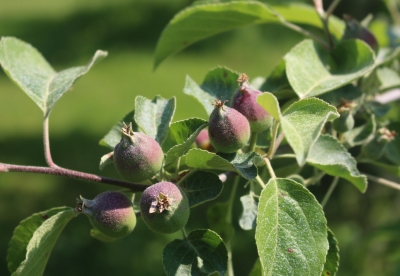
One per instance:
(164, 206)
(230, 128)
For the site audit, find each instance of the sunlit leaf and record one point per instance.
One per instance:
(154, 117)
(34, 75)
(329, 155)
(207, 19)
(312, 71)
(42, 238)
(291, 232)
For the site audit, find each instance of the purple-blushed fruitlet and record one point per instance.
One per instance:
(245, 101)
(355, 30)
(164, 207)
(203, 141)
(228, 129)
(137, 157)
(110, 212)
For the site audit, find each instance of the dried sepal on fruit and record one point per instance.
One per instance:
(164, 207)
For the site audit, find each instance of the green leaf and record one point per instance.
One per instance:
(202, 186)
(113, 137)
(359, 135)
(219, 83)
(302, 123)
(257, 269)
(181, 136)
(277, 82)
(31, 72)
(240, 163)
(217, 220)
(270, 103)
(329, 155)
(313, 71)
(393, 169)
(332, 258)
(291, 232)
(23, 234)
(392, 150)
(248, 218)
(204, 20)
(201, 253)
(348, 92)
(36, 237)
(154, 116)
(388, 78)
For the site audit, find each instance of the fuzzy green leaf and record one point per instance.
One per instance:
(181, 136)
(34, 75)
(219, 83)
(113, 137)
(34, 239)
(393, 169)
(240, 163)
(332, 258)
(302, 123)
(202, 253)
(154, 117)
(23, 234)
(216, 218)
(388, 78)
(249, 215)
(329, 155)
(291, 232)
(207, 19)
(313, 71)
(359, 135)
(270, 103)
(202, 186)
(257, 269)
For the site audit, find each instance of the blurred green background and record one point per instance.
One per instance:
(67, 33)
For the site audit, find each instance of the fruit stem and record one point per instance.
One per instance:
(269, 167)
(383, 181)
(73, 174)
(231, 199)
(260, 181)
(393, 10)
(229, 220)
(178, 164)
(271, 149)
(184, 233)
(299, 29)
(286, 155)
(314, 179)
(329, 192)
(253, 141)
(46, 143)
